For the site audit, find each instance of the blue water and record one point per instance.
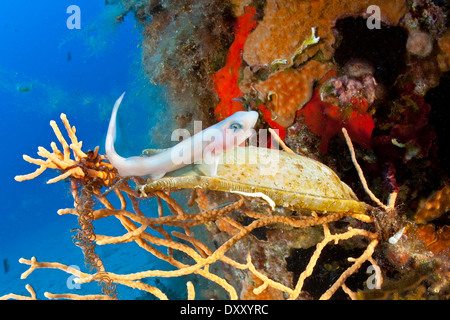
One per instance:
(47, 69)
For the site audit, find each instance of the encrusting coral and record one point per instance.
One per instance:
(287, 91)
(419, 43)
(227, 78)
(435, 206)
(340, 102)
(443, 57)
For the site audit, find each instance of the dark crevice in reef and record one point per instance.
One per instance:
(329, 267)
(438, 98)
(384, 48)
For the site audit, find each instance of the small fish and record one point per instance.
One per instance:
(24, 88)
(205, 145)
(5, 266)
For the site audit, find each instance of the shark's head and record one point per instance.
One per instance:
(231, 132)
(239, 126)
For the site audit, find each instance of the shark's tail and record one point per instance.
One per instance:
(111, 153)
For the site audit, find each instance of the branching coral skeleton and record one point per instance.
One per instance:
(62, 161)
(83, 170)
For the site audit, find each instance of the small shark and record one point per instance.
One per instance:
(206, 145)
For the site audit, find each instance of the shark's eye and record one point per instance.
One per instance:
(235, 126)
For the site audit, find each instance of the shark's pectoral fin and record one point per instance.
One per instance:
(210, 161)
(210, 168)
